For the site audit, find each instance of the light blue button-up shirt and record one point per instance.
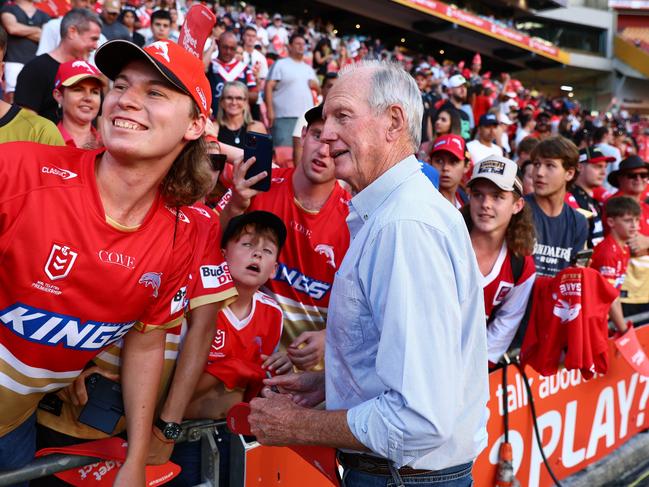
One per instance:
(406, 349)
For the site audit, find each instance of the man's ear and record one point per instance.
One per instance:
(398, 122)
(196, 128)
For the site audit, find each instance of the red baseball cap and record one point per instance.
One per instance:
(71, 72)
(451, 143)
(179, 67)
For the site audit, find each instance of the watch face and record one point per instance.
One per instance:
(172, 431)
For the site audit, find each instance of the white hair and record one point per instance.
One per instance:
(392, 85)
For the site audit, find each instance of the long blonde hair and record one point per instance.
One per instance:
(220, 114)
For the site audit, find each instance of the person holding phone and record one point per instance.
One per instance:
(314, 207)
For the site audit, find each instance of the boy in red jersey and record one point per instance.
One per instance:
(247, 331)
(611, 256)
(95, 243)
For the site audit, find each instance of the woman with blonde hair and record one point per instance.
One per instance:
(233, 119)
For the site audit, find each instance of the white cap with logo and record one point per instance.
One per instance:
(499, 170)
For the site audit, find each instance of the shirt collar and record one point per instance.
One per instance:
(372, 197)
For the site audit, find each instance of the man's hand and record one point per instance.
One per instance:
(307, 350)
(159, 451)
(307, 389)
(278, 363)
(242, 192)
(76, 393)
(131, 474)
(270, 115)
(270, 418)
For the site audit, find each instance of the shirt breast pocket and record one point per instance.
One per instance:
(345, 310)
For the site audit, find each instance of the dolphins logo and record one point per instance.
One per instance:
(151, 279)
(328, 252)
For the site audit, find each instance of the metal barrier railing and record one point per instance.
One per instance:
(195, 430)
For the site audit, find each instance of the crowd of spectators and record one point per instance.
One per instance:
(266, 74)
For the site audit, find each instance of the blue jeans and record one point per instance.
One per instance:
(17, 448)
(458, 476)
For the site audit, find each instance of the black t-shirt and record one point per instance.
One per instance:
(595, 226)
(35, 85)
(20, 49)
(234, 138)
(558, 238)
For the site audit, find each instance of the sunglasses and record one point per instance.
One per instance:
(636, 175)
(217, 161)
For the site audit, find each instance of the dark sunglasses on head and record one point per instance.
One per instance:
(636, 175)
(217, 161)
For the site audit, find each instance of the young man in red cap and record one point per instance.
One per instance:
(449, 156)
(97, 242)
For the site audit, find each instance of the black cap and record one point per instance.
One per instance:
(264, 218)
(628, 164)
(593, 155)
(488, 119)
(314, 114)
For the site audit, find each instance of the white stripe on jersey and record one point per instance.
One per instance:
(18, 388)
(34, 372)
(314, 318)
(284, 301)
(171, 354)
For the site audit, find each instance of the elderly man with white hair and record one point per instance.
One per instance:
(406, 355)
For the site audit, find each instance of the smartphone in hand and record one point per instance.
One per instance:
(259, 146)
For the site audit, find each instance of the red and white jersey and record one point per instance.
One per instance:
(71, 283)
(611, 259)
(314, 248)
(210, 280)
(500, 290)
(569, 314)
(235, 355)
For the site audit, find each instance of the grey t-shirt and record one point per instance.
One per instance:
(20, 49)
(292, 95)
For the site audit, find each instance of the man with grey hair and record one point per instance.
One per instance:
(80, 31)
(406, 355)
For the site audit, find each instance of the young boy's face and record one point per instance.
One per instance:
(252, 259)
(625, 227)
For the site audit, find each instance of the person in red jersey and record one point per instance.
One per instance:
(502, 236)
(314, 207)
(96, 243)
(631, 179)
(248, 332)
(450, 157)
(611, 257)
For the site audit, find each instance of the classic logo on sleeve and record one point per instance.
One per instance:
(215, 276)
(57, 171)
(60, 261)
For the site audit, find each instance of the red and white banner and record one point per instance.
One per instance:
(579, 421)
(484, 26)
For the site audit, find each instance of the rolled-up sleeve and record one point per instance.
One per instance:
(411, 277)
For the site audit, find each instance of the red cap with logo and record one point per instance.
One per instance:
(179, 67)
(451, 143)
(71, 72)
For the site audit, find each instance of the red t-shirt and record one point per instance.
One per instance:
(235, 355)
(71, 282)
(611, 260)
(569, 313)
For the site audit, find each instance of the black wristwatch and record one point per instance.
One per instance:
(171, 431)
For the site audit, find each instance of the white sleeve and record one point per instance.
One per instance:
(502, 329)
(50, 37)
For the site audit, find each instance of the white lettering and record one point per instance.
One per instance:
(551, 420)
(570, 457)
(604, 422)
